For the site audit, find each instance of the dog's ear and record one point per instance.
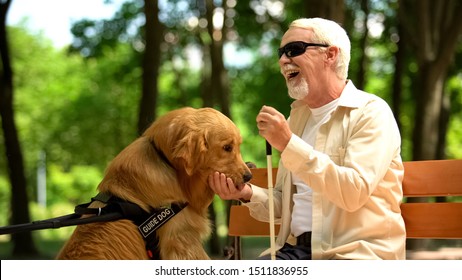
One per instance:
(190, 150)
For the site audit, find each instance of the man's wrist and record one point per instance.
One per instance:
(246, 198)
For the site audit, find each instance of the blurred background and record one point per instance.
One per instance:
(80, 80)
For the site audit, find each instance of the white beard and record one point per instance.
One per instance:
(299, 91)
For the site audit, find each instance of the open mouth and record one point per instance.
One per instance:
(292, 74)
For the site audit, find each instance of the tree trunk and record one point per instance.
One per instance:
(328, 9)
(219, 76)
(361, 76)
(208, 98)
(151, 64)
(23, 245)
(428, 112)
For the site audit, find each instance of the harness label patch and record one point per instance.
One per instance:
(156, 221)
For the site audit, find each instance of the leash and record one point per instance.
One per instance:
(58, 222)
(105, 214)
(115, 209)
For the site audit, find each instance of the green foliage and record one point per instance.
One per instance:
(221, 221)
(454, 90)
(101, 119)
(76, 186)
(5, 196)
(175, 91)
(93, 38)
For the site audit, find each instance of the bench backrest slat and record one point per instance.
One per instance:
(432, 178)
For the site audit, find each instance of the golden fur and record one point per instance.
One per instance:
(196, 142)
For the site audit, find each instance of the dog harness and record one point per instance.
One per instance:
(115, 209)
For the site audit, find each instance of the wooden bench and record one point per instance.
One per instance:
(424, 220)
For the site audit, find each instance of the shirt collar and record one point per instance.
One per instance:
(349, 97)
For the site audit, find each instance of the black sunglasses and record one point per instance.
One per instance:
(297, 48)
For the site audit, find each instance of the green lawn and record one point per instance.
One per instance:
(48, 249)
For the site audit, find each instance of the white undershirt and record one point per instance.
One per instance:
(302, 211)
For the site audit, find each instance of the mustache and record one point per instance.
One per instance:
(288, 67)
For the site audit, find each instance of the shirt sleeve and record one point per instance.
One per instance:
(259, 202)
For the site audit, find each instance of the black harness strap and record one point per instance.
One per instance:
(147, 223)
(127, 210)
(115, 209)
(153, 223)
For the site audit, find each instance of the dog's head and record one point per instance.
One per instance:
(199, 142)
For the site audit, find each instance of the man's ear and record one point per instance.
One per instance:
(191, 150)
(332, 53)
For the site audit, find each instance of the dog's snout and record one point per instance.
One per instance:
(250, 164)
(247, 176)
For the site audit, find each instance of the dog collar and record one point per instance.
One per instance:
(161, 154)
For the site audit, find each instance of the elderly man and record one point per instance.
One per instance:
(339, 184)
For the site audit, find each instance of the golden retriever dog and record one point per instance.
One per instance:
(168, 164)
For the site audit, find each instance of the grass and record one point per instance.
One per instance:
(47, 250)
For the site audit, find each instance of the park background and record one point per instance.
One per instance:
(67, 110)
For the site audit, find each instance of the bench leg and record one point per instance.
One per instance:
(233, 252)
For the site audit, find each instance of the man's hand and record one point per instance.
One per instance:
(225, 188)
(272, 125)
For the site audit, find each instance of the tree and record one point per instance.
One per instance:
(218, 80)
(151, 63)
(23, 243)
(433, 29)
(330, 9)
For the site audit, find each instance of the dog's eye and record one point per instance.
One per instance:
(228, 148)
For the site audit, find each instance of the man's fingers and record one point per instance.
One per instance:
(223, 186)
(222, 180)
(230, 184)
(214, 182)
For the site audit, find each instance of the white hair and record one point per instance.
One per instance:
(330, 33)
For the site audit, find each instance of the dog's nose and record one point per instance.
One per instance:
(247, 176)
